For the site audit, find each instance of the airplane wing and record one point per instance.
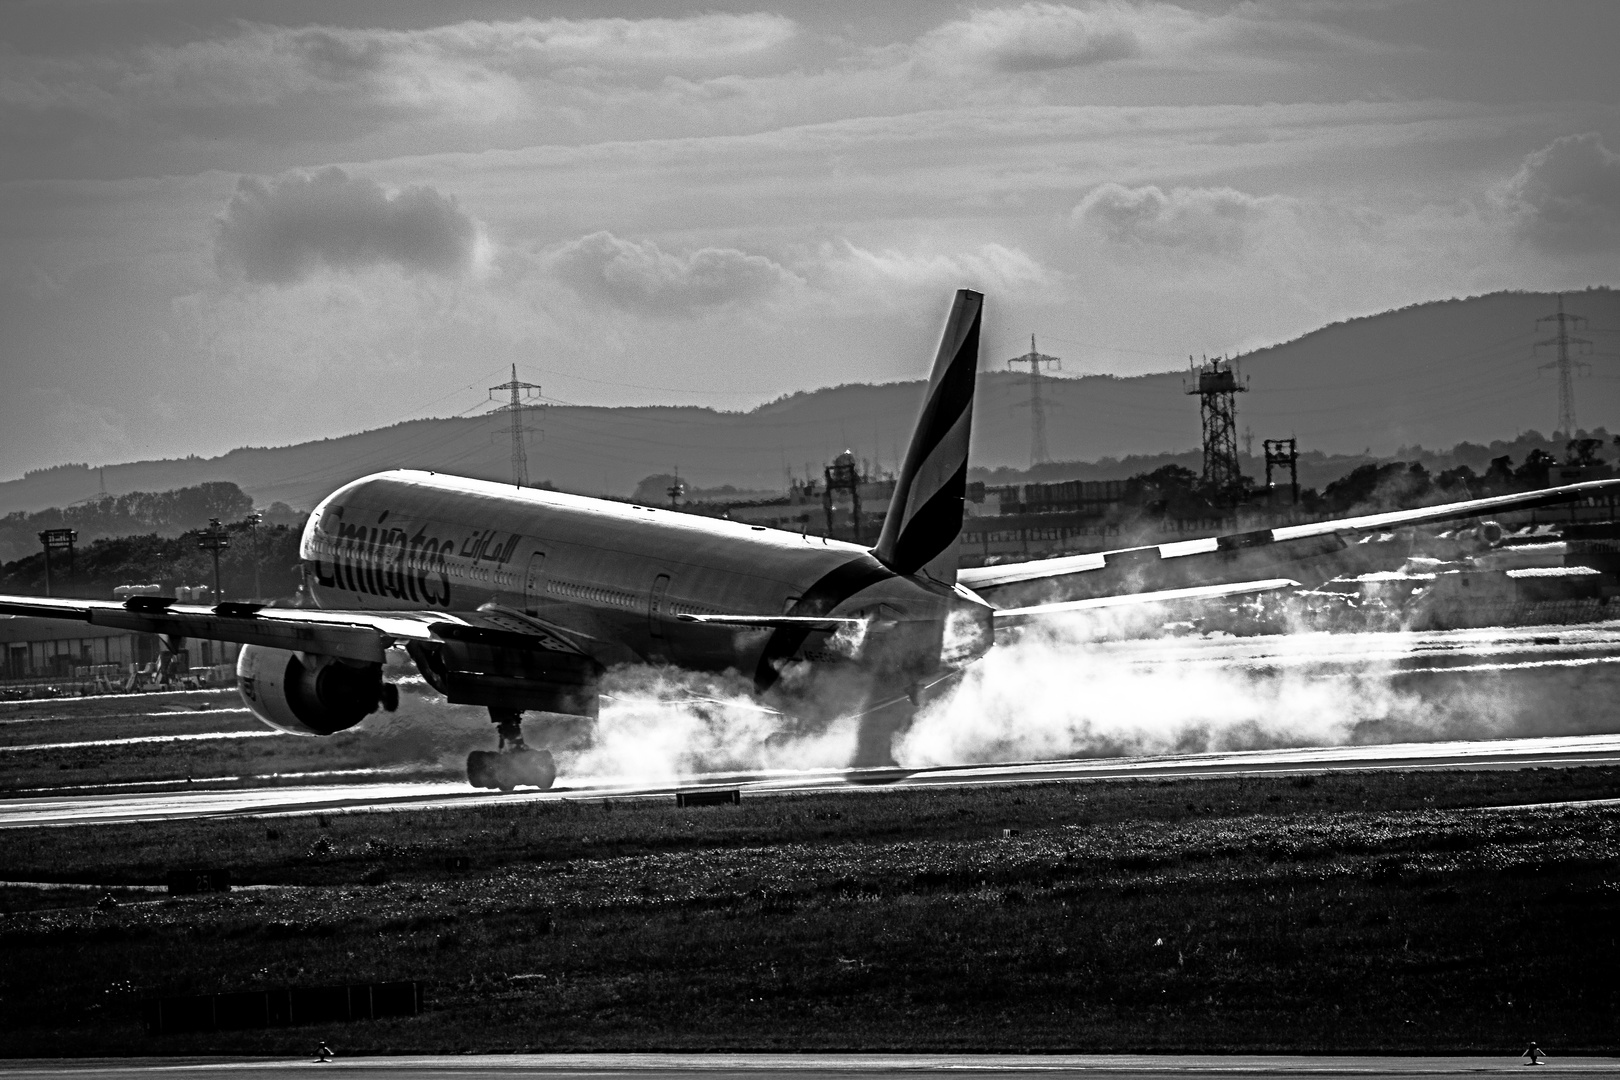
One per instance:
(1287, 542)
(1021, 615)
(790, 622)
(348, 635)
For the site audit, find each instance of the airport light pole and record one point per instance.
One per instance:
(253, 521)
(59, 540)
(214, 539)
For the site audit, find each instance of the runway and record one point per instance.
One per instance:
(1550, 692)
(1556, 751)
(805, 1066)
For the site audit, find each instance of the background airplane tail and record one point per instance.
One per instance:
(920, 531)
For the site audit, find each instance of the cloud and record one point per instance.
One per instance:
(1217, 221)
(643, 278)
(1039, 37)
(427, 69)
(1568, 195)
(897, 278)
(286, 229)
(1042, 36)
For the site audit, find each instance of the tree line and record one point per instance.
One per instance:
(168, 562)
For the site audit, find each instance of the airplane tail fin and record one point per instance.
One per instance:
(920, 531)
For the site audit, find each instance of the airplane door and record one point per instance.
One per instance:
(656, 604)
(534, 582)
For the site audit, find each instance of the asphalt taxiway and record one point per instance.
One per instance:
(1557, 751)
(804, 1067)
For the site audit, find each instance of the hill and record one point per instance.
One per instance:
(1432, 374)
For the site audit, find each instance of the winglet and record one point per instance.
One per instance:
(925, 515)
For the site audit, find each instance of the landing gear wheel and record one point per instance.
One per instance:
(514, 764)
(481, 768)
(532, 767)
(522, 768)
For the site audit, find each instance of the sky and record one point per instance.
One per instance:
(227, 223)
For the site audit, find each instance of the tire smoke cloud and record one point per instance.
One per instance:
(1060, 691)
(1096, 685)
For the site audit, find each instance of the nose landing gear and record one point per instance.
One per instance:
(514, 764)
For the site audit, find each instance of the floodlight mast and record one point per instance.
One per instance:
(57, 540)
(215, 539)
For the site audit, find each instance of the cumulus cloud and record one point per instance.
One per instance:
(1568, 195)
(283, 230)
(642, 277)
(1217, 221)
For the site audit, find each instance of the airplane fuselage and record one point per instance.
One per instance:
(612, 577)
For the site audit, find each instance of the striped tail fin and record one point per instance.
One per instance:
(920, 531)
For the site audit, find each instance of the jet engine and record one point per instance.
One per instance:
(310, 695)
(1483, 536)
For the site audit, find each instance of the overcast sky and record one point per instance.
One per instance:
(227, 223)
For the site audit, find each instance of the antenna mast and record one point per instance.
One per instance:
(1039, 453)
(520, 391)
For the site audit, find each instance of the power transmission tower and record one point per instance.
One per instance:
(1039, 454)
(1565, 366)
(1217, 391)
(520, 392)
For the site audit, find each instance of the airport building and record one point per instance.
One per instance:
(76, 655)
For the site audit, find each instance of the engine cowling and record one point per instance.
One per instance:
(307, 695)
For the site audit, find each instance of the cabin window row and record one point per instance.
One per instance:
(592, 594)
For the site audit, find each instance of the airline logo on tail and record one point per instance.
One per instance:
(919, 533)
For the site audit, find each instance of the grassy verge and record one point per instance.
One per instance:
(1346, 912)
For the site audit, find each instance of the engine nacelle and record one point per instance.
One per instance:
(307, 695)
(1483, 536)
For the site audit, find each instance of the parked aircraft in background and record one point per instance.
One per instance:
(518, 600)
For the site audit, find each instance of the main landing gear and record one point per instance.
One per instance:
(514, 764)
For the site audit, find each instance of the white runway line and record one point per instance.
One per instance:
(744, 1066)
(195, 736)
(286, 801)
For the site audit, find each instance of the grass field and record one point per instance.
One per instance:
(1343, 912)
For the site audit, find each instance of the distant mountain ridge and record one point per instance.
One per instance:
(1432, 374)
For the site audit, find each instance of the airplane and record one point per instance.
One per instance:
(518, 600)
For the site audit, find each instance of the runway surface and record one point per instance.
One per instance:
(1555, 688)
(806, 1066)
(263, 801)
